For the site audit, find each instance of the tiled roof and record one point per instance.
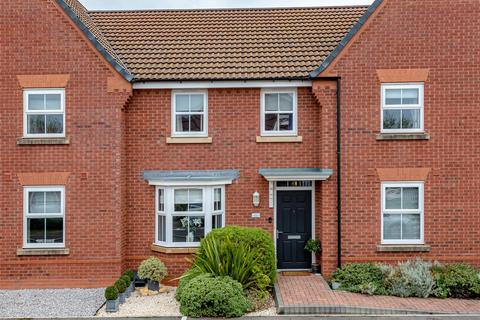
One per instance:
(283, 43)
(83, 15)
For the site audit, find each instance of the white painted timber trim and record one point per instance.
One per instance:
(222, 84)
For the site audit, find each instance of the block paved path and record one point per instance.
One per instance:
(310, 294)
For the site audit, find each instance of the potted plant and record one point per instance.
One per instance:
(131, 275)
(154, 271)
(191, 224)
(111, 294)
(121, 287)
(127, 281)
(314, 246)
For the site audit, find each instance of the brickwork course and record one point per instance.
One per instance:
(115, 132)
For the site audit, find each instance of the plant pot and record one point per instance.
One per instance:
(132, 286)
(190, 237)
(315, 268)
(127, 292)
(112, 305)
(121, 297)
(336, 285)
(153, 285)
(137, 281)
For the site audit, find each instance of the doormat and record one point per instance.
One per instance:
(295, 273)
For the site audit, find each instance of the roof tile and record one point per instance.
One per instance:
(221, 44)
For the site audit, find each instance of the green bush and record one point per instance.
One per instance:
(129, 273)
(120, 285)
(412, 278)
(225, 258)
(313, 245)
(208, 296)
(152, 269)
(111, 293)
(256, 240)
(126, 279)
(361, 278)
(457, 280)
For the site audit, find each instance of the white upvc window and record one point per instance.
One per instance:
(189, 113)
(278, 112)
(402, 107)
(44, 113)
(44, 217)
(402, 213)
(184, 215)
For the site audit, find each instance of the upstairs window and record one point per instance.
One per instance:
(402, 213)
(402, 108)
(44, 113)
(44, 217)
(279, 112)
(189, 114)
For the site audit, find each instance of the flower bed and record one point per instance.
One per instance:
(413, 278)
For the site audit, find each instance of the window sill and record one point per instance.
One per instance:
(43, 252)
(36, 141)
(190, 140)
(162, 249)
(270, 139)
(403, 136)
(403, 248)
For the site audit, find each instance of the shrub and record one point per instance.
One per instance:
(120, 285)
(126, 279)
(412, 278)
(360, 277)
(208, 296)
(313, 245)
(256, 240)
(152, 269)
(224, 258)
(130, 274)
(111, 293)
(457, 280)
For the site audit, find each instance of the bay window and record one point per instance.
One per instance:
(185, 215)
(402, 213)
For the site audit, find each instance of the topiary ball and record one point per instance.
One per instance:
(111, 293)
(120, 285)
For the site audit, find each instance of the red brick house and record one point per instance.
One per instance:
(134, 133)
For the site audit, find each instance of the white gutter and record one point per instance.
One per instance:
(221, 84)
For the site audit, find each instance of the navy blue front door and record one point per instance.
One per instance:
(294, 229)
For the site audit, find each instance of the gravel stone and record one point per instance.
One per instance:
(50, 303)
(162, 305)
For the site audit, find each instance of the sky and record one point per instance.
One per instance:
(195, 4)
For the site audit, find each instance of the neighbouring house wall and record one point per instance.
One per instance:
(233, 124)
(442, 37)
(38, 39)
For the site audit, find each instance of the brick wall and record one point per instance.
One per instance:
(440, 36)
(38, 39)
(233, 122)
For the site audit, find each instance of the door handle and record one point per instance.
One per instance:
(279, 233)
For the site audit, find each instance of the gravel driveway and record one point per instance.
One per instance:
(50, 303)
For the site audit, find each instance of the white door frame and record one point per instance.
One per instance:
(275, 189)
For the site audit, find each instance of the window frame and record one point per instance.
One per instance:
(26, 112)
(420, 210)
(294, 131)
(169, 212)
(26, 215)
(419, 106)
(181, 134)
